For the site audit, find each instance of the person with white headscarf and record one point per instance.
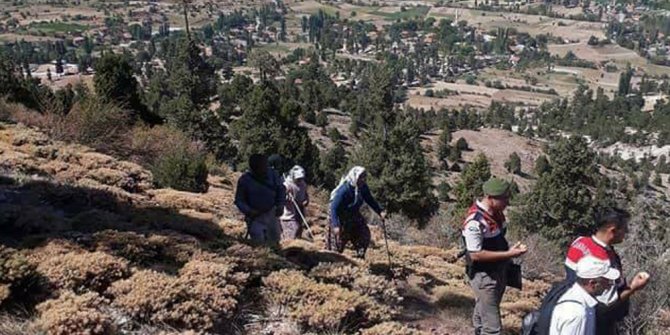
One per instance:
(346, 222)
(296, 194)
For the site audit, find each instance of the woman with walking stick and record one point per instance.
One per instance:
(346, 222)
(297, 200)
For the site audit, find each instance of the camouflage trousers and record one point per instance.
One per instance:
(352, 229)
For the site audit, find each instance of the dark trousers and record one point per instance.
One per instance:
(353, 229)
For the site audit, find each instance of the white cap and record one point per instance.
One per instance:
(590, 267)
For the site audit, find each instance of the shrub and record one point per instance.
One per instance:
(84, 271)
(75, 314)
(258, 262)
(443, 189)
(391, 328)
(462, 144)
(181, 170)
(16, 273)
(357, 279)
(203, 296)
(93, 122)
(182, 167)
(321, 306)
(169, 248)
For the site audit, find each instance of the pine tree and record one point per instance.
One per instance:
(658, 181)
(454, 155)
(443, 144)
(115, 82)
(270, 126)
(542, 165)
(181, 95)
(624, 81)
(399, 173)
(560, 205)
(443, 190)
(469, 188)
(332, 163)
(662, 165)
(513, 164)
(462, 144)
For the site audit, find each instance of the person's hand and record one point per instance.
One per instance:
(518, 249)
(337, 233)
(639, 281)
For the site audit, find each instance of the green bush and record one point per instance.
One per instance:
(182, 167)
(443, 190)
(181, 171)
(16, 273)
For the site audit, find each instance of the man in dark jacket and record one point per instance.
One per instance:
(260, 196)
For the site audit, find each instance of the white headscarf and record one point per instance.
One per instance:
(351, 178)
(295, 173)
(290, 180)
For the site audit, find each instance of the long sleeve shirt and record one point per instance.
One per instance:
(260, 195)
(574, 313)
(299, 193)
(345, 200)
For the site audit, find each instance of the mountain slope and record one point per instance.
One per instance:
(87, 243)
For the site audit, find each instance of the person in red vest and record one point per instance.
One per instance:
(614, 303)
(488, 254)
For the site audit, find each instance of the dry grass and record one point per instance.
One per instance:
(12, 325)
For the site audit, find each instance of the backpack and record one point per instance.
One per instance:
(538, 322)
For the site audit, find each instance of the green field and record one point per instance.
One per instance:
(58, 27)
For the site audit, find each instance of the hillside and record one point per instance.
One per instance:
(89, 245)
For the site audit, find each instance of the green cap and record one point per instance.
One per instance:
(496, 187)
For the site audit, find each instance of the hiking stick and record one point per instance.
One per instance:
(302, 217)
(386, 242)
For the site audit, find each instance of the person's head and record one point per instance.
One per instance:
(612, 225)
(297, 174)
(258, 164)
(357, 176)
(595, 275)
(276, 162)
(496, 193)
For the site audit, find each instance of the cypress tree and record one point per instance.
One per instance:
(399, 173)
(513, 163)
(560, 205)
(469, 188)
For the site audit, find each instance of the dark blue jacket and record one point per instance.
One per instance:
(260, 195)
(345, 202)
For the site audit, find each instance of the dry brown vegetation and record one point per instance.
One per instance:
(75, 314)
(150, 260)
